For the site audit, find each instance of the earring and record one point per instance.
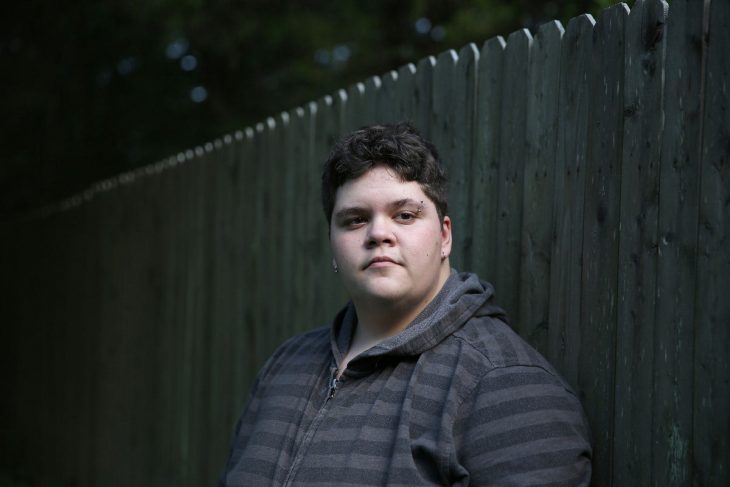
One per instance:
(334, 266)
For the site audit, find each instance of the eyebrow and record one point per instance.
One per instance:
(405, 202)
(357, 210)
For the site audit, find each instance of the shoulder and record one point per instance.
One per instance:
(493, 346)
(503, 377)
(299, 351)
(519, 419)
(305, 342)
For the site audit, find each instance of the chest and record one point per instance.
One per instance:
(392, 426)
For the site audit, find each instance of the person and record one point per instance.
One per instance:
(418, 380)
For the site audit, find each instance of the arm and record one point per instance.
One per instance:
(522, 426)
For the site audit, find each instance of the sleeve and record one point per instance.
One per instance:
(242, 430)
(247, 419)
(522, 426)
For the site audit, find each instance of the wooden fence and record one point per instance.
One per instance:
(589, 182)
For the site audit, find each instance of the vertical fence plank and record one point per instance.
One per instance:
(207, 328)
(309, 205)
(600, 237)
(177, 313)
(424, 87)
(267, 186)
(485, 167)
(289, 213)
(643, 124)
(539, 176)
(386, 104)
(300, 128)
(444, 137)
(221, 318)
(711, 433)
(354, 110)
(245, 364)
(369, 108)
(677, 256)
(511, 170)
(148, 248)
(564, 334)
(276, 164)
(199, 333)
(462, 135)
(441, 122)
(258, 241)
(128, 347)
(167, 328)
(406, 101)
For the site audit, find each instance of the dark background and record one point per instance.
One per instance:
(94, 88)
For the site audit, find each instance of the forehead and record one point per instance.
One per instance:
(379, 185)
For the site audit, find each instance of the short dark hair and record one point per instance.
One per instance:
(399, 147)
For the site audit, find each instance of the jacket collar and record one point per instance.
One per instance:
(462, 296)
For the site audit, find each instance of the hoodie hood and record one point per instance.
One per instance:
(462, 296)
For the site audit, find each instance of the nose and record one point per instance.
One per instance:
(380, 232)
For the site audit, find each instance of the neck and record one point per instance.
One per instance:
(380, 320)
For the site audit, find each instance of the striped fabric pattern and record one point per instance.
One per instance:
(456, 399)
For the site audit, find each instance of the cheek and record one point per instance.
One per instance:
(343, 246)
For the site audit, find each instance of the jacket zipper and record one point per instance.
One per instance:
(333, 385)
(312, 429)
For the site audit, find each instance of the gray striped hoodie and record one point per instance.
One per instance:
(455, 399)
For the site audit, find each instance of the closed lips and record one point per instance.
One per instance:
(380, 259)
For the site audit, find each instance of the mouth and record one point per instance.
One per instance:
(380, 262)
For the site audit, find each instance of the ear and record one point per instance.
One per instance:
(446, 236)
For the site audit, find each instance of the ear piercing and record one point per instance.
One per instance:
(334, 266)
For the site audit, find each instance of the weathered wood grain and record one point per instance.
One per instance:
(424, 88)
(386, 103)
(512, 154)
(564, 333)
(461, 182)
(405, 99)
(642, 138)
(539, 175)
(600, 235)
(245, 213)
(711, 398)
(485, 167)
(677, 251)
(441, 121)
(354, 111)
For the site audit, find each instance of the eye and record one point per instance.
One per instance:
(405, 217)
(354, 222)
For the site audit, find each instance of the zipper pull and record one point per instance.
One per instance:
(333, 384)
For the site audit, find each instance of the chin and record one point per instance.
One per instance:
(384, 290)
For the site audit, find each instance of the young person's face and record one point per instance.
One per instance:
(387, 240)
